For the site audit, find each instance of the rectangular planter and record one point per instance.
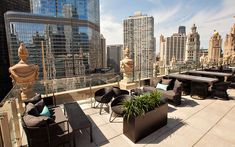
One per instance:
(141, 126)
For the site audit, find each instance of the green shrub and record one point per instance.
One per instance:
(139, 105)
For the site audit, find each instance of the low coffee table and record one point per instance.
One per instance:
(77, 118)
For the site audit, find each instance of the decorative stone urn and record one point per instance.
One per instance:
(126, 65)
(24, 74)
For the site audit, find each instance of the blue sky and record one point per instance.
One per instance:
(208, 15)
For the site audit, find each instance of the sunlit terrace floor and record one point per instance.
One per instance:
(208, 122)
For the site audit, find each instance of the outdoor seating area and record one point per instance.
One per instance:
(86, 123)
(189, 120)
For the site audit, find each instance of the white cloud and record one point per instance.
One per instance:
(111, 29)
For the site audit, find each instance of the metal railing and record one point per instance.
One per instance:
(83, 85)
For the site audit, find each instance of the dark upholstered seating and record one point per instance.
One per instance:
(103, 96)
(117, 106)
(220, 90)
(173, 92)
(117, 92)
(53, 134)
(199, 89)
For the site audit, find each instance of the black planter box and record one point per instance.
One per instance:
(141, 126)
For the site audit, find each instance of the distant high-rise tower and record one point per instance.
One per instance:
(65, 27)
(192, 46)
(139, 38)
(103, 50)
(172, 47)
(114, 56)
(229, 43)
(7, 5)
(182, 30)
(214, 50)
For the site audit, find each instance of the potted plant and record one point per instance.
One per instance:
(144, 114)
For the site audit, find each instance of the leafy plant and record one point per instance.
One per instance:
(139, 105)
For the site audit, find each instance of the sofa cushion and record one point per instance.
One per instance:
(149, 89)
(34, 99)
(166, 81)
(45, 112)
(168, 94)
(40, 105)
(36, 121)
(162, 86)
(177, 87)
(31, 109)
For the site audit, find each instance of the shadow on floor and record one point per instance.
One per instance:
(163, 132)
(171, 109)
(187, 103)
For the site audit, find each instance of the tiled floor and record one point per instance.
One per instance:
(200, 123)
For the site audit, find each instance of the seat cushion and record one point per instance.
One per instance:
(170, 94)
(118, 109)
(149, 89)
(36, 121)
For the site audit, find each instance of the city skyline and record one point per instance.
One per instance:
(168, 15)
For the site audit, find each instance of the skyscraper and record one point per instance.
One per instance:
(229, 43)
(6, 5)
(214, 50)
(114, 56)
(139, 38)
(172, 47)
(103, 50)
(65, 27)
(192, 46)
(182, 30)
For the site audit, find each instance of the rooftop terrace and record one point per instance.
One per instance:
(208, 122)
(198, 123)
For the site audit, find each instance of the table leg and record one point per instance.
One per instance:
(225, 78)
(91, 139)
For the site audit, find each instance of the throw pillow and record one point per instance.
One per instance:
(45, 112)
(162, 86)
(34, 99)
(177, 86)
(31, 109)
(40, 105)
(166, 81)
(36, 121)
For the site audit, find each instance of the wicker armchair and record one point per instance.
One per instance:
(49, 135)
(220, 90)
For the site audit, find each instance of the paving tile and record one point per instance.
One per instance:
(210, 140)
(103, 134)
(116, 142)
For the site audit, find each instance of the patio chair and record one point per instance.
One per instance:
(118, 92)
(220, 90)
(51, 135)
(103, 96)
(199, 89)
(117, 106)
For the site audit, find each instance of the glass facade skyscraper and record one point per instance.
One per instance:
(68, 29)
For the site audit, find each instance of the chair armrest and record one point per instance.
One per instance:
(59, 127)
